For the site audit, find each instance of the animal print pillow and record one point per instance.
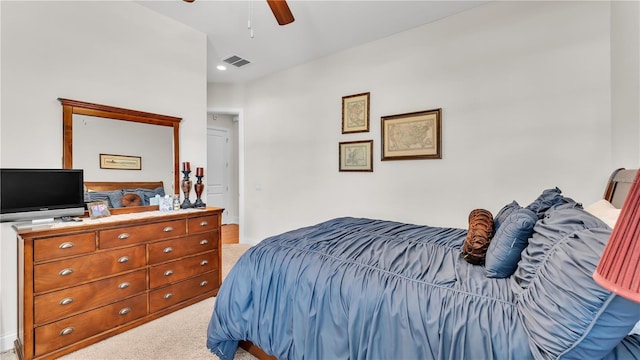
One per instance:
(478, 237)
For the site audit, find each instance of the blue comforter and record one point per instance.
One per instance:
(355, 288)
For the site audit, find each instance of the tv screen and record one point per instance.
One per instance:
(28, 194)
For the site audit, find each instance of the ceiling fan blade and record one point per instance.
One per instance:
(281, 11)
(279, 8)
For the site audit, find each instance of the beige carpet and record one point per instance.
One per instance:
(179, 335)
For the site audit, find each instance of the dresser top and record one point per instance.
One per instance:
(115, 220)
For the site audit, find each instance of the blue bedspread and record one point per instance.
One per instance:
(354, 288)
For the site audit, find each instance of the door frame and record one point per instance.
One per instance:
(240, 114)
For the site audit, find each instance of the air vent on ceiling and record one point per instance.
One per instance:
(236, 61)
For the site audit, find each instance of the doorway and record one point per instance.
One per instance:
(223, 179)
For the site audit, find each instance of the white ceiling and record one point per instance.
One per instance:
(320, 28)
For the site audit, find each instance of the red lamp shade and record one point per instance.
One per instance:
(620, 262)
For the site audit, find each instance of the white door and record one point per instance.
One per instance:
(217, 180)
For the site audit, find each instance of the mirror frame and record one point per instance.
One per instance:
(70, 107)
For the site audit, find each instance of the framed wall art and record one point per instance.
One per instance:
(355, 113)
(356, 156)
(415, 135)
(121, 162)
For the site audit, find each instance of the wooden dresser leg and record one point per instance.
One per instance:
(249, 347)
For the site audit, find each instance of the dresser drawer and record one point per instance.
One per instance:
(79, 327)
(61, 246)
(71, 301)
(173, 294)
(176, 248)
(73, 271)
(175, 271)
(141, 233)
(203, 223)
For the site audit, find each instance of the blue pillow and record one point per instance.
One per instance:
(504, 213)
(509, 241)
(548, 198)
(115, 198)
(100, 196)
(564, 311)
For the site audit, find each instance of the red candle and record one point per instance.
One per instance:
(199, 171)
(186, 166)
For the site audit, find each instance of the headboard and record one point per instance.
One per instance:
(117, 185)
(619, 185)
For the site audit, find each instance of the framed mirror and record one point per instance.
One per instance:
(141, 146)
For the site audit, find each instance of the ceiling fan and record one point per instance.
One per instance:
(279, 8)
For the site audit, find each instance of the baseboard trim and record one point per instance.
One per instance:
(6, 341)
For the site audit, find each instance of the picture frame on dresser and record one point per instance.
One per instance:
(98, 209)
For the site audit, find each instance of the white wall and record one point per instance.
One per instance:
(625, 82)
(525, 89)
(113, 53)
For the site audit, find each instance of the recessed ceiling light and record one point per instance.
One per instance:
(221, 67)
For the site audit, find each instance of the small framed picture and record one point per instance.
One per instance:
(355, 113)
(414, 135)
(98, 209)
(120, 162)
(356, 156)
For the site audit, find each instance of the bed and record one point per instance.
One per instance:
(355, 288)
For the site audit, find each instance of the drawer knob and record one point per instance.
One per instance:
(124, 311)
(124, 285)
(204, 283)
(168, 296)
(204, 242)
(203, 262)
(65, 272)
(66, 245)
(123, 259)
(66, 301)
(66, 331)
(168, 229)
(123, 236)
(168, 273)
(167, 250)
(204, 223)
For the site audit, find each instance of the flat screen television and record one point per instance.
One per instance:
(35, 194)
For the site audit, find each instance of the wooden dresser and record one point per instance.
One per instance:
(80, 283)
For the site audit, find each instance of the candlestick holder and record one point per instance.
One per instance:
(185, 185)
(199, 188)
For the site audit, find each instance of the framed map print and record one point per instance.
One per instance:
(414, 135)
(355, 113)
(356, 156)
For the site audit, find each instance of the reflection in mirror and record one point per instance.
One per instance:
(90, 130)
(153, 144)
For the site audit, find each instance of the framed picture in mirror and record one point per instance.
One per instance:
(120, 162)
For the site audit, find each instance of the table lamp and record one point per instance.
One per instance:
(620, 261)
